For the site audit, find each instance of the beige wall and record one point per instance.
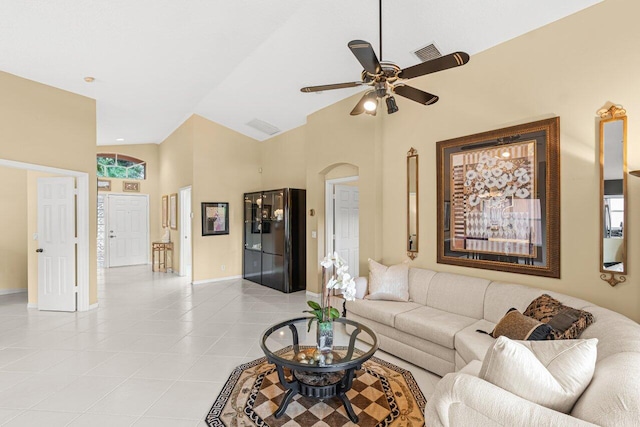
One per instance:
(13, 229)
(150, 185)
(567, 69)
(570, 69)
(335, 139)
(283, 160)
(225, 165)
(176, 171)
(43, 125)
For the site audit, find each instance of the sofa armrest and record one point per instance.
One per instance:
(361, 287)
(465, 400)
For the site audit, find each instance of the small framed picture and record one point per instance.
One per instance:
(130, 187)
(173, 211)
(165, 211)
(215, 218)
(104, 184)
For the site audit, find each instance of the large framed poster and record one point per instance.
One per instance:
(499, 199)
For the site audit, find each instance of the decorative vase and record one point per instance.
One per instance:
(325, 336)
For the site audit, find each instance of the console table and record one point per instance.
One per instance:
(164, 252)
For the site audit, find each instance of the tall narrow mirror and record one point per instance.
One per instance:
(613, 189)
(412, 203)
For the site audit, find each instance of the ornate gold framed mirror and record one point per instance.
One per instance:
(412, 203)
(613, 194)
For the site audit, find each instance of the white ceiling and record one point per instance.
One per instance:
(156, 62)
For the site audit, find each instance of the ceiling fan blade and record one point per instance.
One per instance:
(365, 54)
(444, 63)
(330, 87)
(415, 94)
(359, 108)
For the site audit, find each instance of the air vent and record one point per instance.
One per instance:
(263, 126)
(427, 53)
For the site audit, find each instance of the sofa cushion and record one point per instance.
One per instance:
(567, 322)
(380, 311)
(419, 280)
(500, 297)
(458, 294)
(615, 332)
(517, 326)
(472, 345)
(612, 396)
(433, 325)
(550, 373)
(388, 283)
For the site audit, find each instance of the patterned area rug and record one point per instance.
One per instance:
(383, 394)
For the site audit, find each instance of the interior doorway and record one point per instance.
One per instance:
(342, 220)
(186, 215)
(81, 207)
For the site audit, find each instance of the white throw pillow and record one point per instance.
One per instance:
(388, 283)
(551, 373)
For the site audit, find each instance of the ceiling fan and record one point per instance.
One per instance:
(385, 78)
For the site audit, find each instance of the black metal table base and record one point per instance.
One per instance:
(339, 389)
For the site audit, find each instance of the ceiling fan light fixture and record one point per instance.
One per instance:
(371, 104)
(392, 107)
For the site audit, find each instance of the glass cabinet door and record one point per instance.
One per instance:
(252, 221)
(272, 215)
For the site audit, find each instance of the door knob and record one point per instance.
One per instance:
(39, 250)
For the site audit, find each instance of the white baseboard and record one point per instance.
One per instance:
(32, 305)
(313, 294)
(220, 279)
(12, 291)
(93, 306)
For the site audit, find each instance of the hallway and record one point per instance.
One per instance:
(155, 353)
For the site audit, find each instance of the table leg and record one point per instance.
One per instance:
(285, 402)
(347, 407)
(347, 382)
(292, 389)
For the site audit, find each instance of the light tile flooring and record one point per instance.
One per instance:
(155, 353)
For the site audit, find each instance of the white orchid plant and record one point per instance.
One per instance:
(341, 280)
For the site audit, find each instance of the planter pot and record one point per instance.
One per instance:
(325, 336)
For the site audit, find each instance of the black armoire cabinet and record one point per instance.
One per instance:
(275, 250)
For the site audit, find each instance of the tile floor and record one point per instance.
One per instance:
(155, 353)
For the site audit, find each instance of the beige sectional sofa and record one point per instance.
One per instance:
(436, 330)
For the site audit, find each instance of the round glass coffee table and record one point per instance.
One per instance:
(316, 374)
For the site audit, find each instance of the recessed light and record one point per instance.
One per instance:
(119, 139)
(89, 79)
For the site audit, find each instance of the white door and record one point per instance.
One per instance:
(56, 244)
(346, 225)
(128, 230)
(185, 232)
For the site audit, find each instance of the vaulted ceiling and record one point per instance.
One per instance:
(156, 62)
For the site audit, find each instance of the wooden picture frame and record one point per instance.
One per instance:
(130, 187)
(215, 218)
(165, 211)
(104, 184)
(173, 211)
(503, 191)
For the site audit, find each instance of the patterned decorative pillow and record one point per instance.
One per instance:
(517, 326)
(567, 322)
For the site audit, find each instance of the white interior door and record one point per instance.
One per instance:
(56, 244)
(185, 232)
(128, 230)
(346, 225)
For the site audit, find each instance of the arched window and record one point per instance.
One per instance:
(120, 166)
